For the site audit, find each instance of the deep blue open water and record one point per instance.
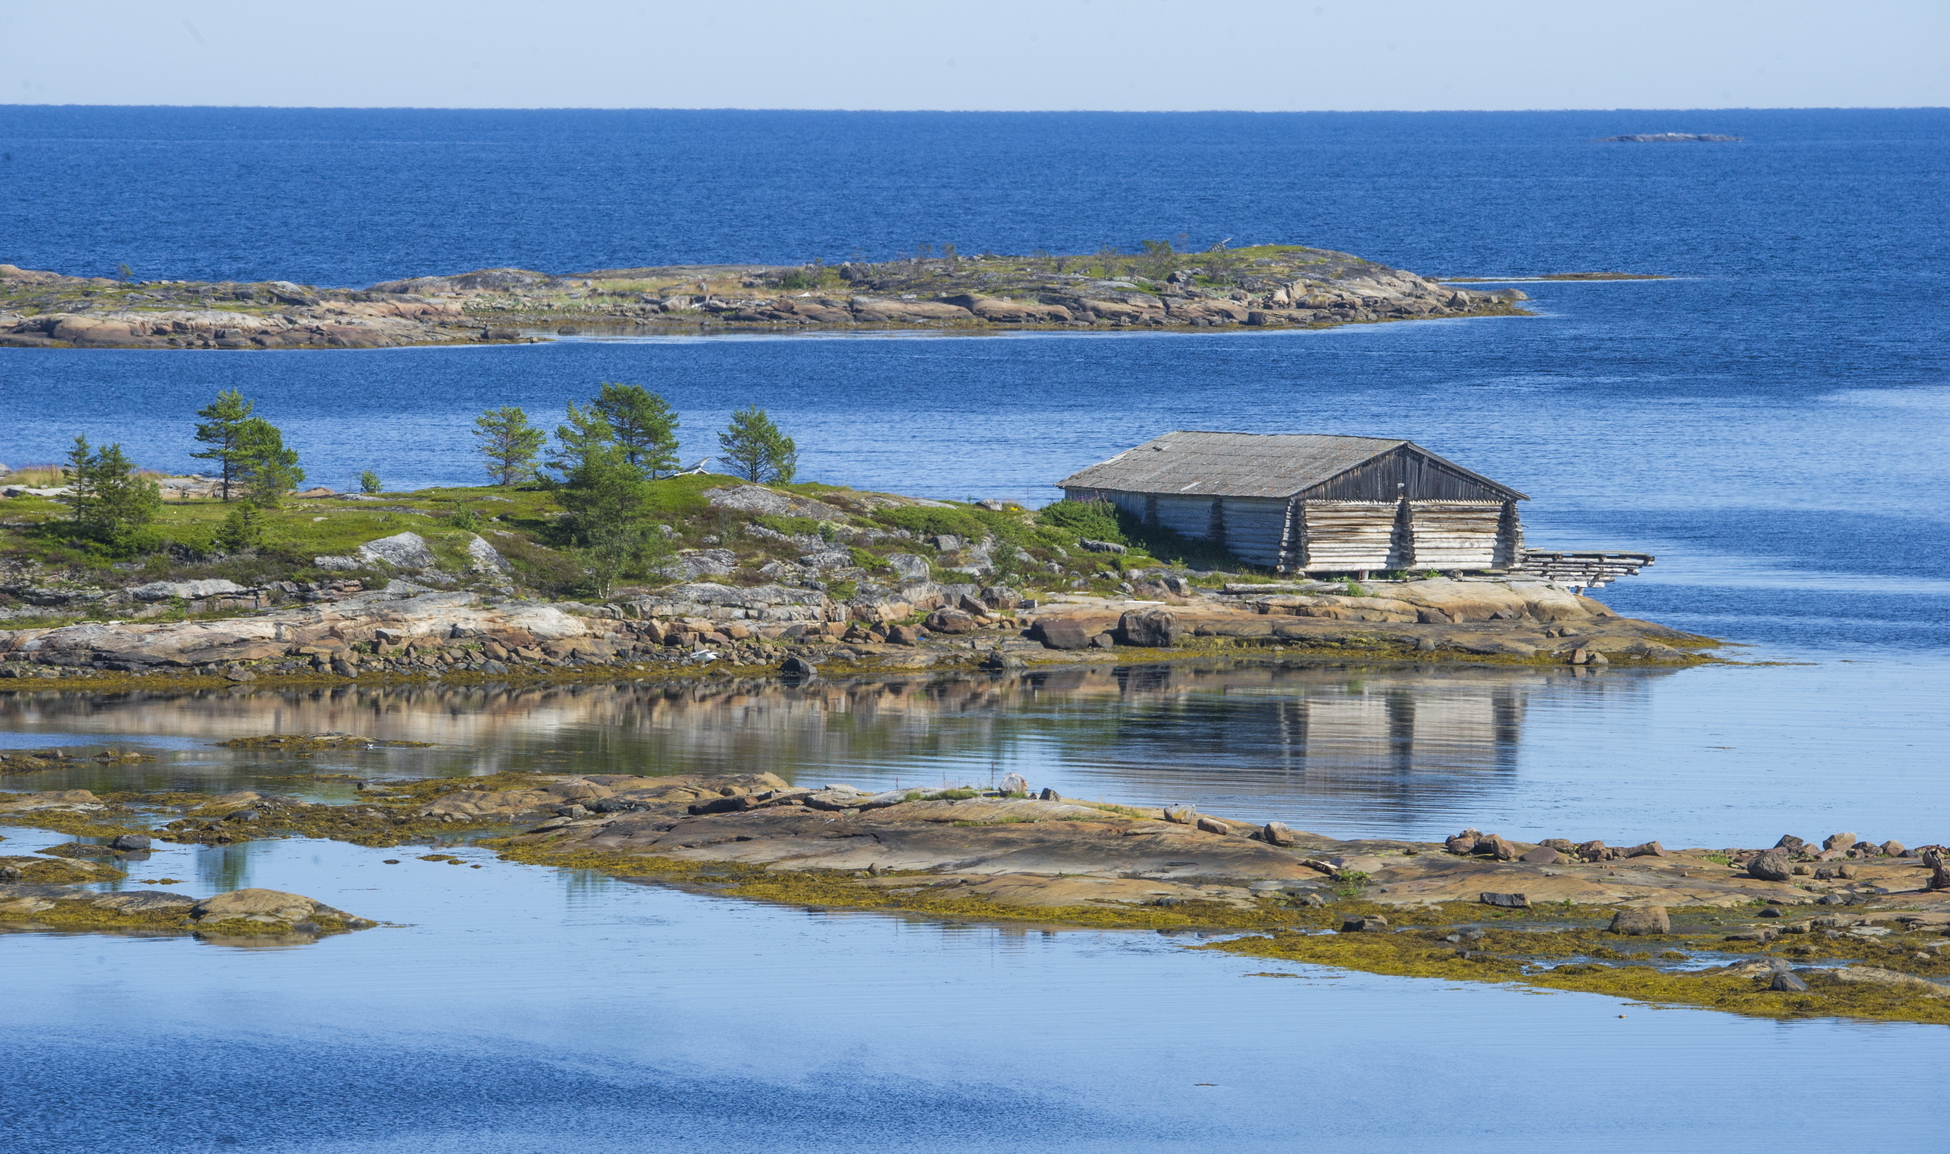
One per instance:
(1774, 423)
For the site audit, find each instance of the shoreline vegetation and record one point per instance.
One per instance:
(594, 556)
(1799, 929)
(1157, 287)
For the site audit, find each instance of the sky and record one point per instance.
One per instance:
(1141, 55)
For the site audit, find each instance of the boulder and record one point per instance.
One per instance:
(185, 590)
(1788, 982)
(1149, 628)
(1060, 633)
(1542, 855)
(1277, 833)
(1772, 866)
(909, 566)
(275, 905)
(951, 621)
(1893, 848)
(1648, 849)
(1838, 841)
(1638, 921)
(1790, 843)
(401, 550)
(759, 499)
(145, 902)
(130, 843)
(1371, 924)
(1181, 815)
(1214, 825)
(798, 667)
(903, 635)
(1001, 597)
(1506, 901)
(484, 558)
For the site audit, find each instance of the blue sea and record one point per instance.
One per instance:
(1773, 422)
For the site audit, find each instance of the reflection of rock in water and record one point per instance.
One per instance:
(1284, 730)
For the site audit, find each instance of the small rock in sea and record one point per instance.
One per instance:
(1788, 983)
(1637, 921)
(798, 667)
(130, 843)
(1371, 924)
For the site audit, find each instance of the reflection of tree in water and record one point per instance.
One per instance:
(224, 867)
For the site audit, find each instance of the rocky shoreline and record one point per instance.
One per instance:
(405, 631)
(1266, 286)
(1840, 927)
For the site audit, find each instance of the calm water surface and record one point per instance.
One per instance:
(1774, 423)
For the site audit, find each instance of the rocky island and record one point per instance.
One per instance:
(1840, 927)
(780, 580)
(1258, 287)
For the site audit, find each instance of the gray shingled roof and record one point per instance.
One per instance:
(1238, 464)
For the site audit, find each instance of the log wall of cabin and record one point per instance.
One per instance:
(1348, 536)
(1454, 534)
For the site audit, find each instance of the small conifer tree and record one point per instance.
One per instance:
(110, 503)
(644, 425)
(757, 449)
(223, 419)
(509, 443)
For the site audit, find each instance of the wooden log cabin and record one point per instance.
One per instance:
(1309, 503)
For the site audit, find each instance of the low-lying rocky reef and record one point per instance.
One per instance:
(246, 917)
(1861, 932)
(1264, 286)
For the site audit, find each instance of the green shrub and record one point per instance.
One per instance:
(790, 526)
(465, 519)
(1097, 520)
(866, 560)
(933, 522)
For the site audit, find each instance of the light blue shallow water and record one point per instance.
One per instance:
(526, 1011)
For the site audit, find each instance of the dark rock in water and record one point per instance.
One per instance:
(1507, 901)
(1790, 843)
(1772, 866)
(1641, 920)
(798, 667)
(1669, 138)
(129, 843)
(1788, 983)
(1372, 924)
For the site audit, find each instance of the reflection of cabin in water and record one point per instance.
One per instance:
(1308, 503)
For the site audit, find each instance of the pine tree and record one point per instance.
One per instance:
(757, 449)
(222, 419)
(109, 501)
(509, 443)
(585, 435)
(265, 468)
(644, 425)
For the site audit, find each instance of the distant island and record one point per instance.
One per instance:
(1669, 138)
(1264, 286)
